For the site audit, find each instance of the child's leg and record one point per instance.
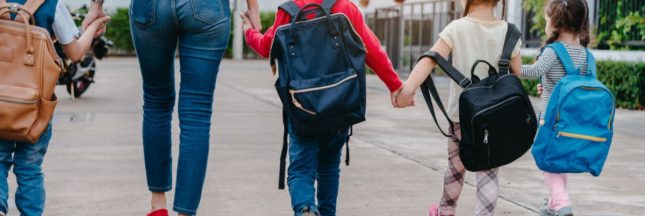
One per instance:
(303, 164)
(557, 185)
(487, 186)
(28, 160)
(6, 160)
(454, 178)
(329, 159)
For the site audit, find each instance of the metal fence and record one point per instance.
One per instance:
(408, 30)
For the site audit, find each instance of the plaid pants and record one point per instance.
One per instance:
(487, 183)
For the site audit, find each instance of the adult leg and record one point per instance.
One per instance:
(155, 40)
(6, 161)
(28, 160)
(202, 43)
(453, 181)
(329, 158)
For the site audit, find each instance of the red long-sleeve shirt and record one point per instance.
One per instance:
(376, 59)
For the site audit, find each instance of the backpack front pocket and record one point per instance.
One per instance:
(324, 97)
(19, 108)
(578, 151)
(502, 132)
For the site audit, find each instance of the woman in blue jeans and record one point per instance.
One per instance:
(200, 28)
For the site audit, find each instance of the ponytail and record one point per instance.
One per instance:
(584, 34)
(569, 15)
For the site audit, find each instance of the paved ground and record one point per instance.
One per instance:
(95, 164)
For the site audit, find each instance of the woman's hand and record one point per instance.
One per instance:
(254, 17)
(96, 12)
(540, 90)
(246, 22)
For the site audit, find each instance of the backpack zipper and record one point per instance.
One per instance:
(320, 88)
(323, 87)
(472, 120)
(582, 136)
(17, 101)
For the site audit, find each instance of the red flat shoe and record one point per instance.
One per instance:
(158, 212)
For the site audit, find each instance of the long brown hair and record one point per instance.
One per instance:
(569, 15)
(471, 2)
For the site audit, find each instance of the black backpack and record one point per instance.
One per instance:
(497, 120)
(321, 76)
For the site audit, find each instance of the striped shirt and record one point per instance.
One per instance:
(550, 70)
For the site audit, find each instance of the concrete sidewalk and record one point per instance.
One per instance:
(95, 162)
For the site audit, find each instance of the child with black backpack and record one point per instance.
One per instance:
(478, 35)
(577, 132)
(316, 158)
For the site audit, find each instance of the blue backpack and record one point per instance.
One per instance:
(578, 127)
(321, 77)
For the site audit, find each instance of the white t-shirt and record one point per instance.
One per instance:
(472, 39)
(65, 30)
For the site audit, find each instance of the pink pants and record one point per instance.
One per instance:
(557, 185)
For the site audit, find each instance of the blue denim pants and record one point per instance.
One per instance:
(200, 28)
(26, 159)
(315, 159)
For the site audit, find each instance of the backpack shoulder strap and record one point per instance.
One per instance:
(452, 72)
(32, 5)
(328, 4)
(591, 64)
(512, 37)
(290, 7)
(564, 57)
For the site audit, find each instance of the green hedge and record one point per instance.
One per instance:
(626, 80)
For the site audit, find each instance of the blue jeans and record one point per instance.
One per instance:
(201, 29)
(311, 159)
(26, 159)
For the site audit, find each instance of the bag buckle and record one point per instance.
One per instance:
(14, 8)
(503, 63)
(465, 83)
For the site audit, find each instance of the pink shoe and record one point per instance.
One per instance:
(433, 210)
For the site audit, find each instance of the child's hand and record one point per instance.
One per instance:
(95, 12)
(394, 95)
(405, 98)
(246, 22)
(539, 89)
(254, 17)
(97, 24)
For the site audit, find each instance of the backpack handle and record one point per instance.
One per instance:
(304, 11)
(475, 78)
(26, 19)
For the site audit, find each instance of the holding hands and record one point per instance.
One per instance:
(404, 97)
(251, 20)
(96, 13)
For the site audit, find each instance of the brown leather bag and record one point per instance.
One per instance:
(29, 69)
